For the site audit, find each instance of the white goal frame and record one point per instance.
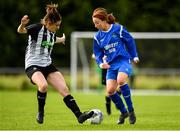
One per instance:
(85, 66)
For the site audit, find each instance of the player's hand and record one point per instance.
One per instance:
(104, 59)
(104, 66)
(136, 60)
(93, 56)
(25, 20)
(63, 38)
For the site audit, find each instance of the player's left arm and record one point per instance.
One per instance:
(61, 39)
(130, 44)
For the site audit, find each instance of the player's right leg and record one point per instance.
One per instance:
(36, 77)
(57, 81)
(41, 82)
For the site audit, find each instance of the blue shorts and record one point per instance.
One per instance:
(124, 66)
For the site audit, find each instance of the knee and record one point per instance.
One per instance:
(110, 91)
(65, 92)
(121, 81)
(43, 87)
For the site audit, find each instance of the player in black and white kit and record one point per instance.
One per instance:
(38, 62)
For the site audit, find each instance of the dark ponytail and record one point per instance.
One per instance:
(111, 19)
(52, 14)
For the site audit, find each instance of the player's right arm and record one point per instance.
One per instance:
(99, 55)
(98, 52)
(24, 21)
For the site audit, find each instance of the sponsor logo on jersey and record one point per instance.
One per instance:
(47, 44)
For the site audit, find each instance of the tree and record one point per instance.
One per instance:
(137, 16)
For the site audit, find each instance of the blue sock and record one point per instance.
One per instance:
(125, 90)
(118, 102)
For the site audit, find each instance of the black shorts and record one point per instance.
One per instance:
(103, 76)
(44, 70)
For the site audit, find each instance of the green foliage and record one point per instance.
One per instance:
(137, 16)
(159, 53)
(21, 82)
(157, 82)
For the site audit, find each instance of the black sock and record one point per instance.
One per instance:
(108, 104)
(41, 100)
(71, 104)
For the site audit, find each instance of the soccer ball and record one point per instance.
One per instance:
(97, 117)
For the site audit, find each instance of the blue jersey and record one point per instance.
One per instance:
(116, 43)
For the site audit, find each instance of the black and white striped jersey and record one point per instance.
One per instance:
(40, 45)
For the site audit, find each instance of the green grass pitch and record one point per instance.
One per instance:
(18, 111)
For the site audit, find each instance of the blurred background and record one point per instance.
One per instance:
(159, 66)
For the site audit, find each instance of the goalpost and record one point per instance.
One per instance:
(78, 49)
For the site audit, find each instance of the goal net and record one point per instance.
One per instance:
(84, 71)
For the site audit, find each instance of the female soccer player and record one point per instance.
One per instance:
(114, 41)
(38, 63)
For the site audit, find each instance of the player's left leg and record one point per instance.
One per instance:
(111, 90)
(125, 90)
(127, 96)
(56, 79)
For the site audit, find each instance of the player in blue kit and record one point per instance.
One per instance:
(114, 41)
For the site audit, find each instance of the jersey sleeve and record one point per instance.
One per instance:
(98, 52)
(129, 42)
(33, 29)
